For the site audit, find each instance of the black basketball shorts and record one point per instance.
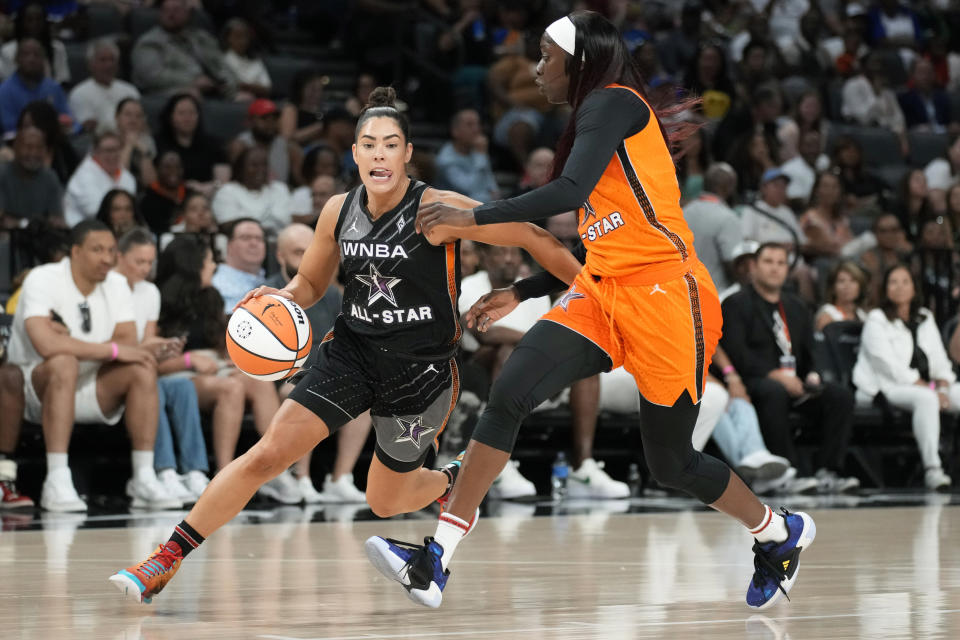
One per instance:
(410, 401)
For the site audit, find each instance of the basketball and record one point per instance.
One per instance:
(269, 337)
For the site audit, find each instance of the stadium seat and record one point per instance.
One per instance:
(152, 106)
(897, 75)
(282, 70)
(77, 61)
(224, 119)
(891, 174)
(880, 146)
(103, 20)
(924, 147)
(141, 20)
(839, 346)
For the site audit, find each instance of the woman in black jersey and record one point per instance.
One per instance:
(643, 301)
(391, 349)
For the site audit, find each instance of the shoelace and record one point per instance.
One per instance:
(419, 569)
(159, 563)
(764, 568)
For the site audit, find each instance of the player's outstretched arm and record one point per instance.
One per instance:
(545, 249)
(318, 265)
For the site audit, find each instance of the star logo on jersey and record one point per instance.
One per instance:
(570, 296)
(412, 430)
(588, 212)
(380, 286)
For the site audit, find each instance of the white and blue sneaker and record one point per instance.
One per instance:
(416, 567)
(776, 563)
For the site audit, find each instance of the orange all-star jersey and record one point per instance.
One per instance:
(632, 219)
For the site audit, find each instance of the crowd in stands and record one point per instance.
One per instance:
(161, 158)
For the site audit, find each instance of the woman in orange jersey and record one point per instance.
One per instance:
(642, 301)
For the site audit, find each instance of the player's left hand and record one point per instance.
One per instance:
(433, 214)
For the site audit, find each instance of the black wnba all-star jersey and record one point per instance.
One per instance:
(400, 291)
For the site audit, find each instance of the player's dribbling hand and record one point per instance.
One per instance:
(491, 307)
(433, 214)
(262, 291)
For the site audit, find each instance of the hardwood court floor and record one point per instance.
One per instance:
(872, 573)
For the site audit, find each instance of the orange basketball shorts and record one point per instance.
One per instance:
(661, 325)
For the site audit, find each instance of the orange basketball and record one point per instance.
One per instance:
(269, 337)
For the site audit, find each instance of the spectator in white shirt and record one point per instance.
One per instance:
(94, 101)
(75, 341)
(942, 172)
(251, 194)
(903, 358)
(253, 80)
(846, 293)
(99, 172)
(869, 101)
(769, 219)
(803, 168)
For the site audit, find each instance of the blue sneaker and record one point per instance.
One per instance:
(416, 567)
(776, 563)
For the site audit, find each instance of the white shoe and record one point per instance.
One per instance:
(147, 492)
(308, 491)
(762, 465)
(831, 482)
(935, 479)
(510, 484)
(799, 486)
(342, 490)
(59, 494)
(175, 488)
(283, 489)
(591, 481)
(196, 482)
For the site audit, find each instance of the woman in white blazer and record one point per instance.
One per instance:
(920, 381)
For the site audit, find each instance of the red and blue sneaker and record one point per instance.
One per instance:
(776, 564)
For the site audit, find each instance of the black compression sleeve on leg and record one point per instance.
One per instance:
(668, 449)
(547, 359)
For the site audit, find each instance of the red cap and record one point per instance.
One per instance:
(261, 107)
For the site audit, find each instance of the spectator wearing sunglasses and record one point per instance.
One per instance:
(75, 341)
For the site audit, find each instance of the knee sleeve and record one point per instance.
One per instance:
(546, 361)
(671, 458)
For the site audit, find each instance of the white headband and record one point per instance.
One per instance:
(564, 33)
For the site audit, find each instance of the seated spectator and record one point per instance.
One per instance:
(365, 84)
(190, 306)
(321, 189)
(758, 67)
(952, 202)
(804, 167)
(692, 165)
(536, 170)
(99, 172)
(463, 164)
(253, 79)
(175, 56)
(943, 172)
(11, 418)
(499, 268)
(744, 261)
(338, 486)
(903, 359)
(195, 218)
(925, 106)
(302, 117)
(118, 211)
(946, 63)
(862, 187)
(869, 101)
(94, 101)
(28, 84)
(284, 157)
(74, 338)
(715, 226)
(846, 293)
(848, 52)
(164, 196)
(825, 223)
(892, 249)
(32, 22)
(242, 270)
(807, 116)
(28, 189)
(768, 335)
(61, 156)
(769, 219)
(339, 133)
(936, 266)
(893, 24)
(139, 149)
(469, 258)
(758, 115)
(181, 130)
(251, 193)
(178, 412)
(319, 162)
(709, 78)
(914, 203)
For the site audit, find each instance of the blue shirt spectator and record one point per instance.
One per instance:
(462, 165)
(28, 84)
(242, 270)
(925, 106)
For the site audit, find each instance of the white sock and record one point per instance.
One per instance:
(773, 527)
(142, 462)
(450, 530)
(56, 461)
